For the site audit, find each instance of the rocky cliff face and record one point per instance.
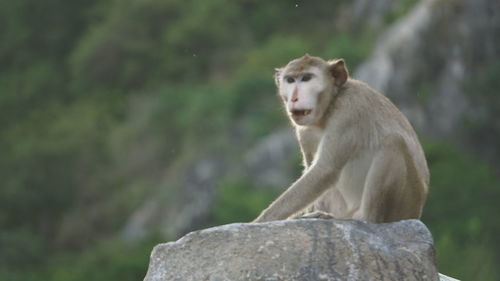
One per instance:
(299, 250)
(424, 61)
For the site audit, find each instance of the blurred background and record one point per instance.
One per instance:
(124, 124)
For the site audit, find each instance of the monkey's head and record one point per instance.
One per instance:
(307, 86)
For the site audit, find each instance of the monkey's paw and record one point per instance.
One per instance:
(317, 215)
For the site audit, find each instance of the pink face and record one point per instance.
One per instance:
(300, 93)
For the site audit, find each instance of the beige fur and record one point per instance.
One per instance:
(362, 158)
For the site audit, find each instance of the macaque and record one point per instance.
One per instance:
(362, 158)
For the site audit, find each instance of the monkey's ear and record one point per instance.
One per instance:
(339, 71)
(277, 76)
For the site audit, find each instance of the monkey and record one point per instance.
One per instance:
(362, 158)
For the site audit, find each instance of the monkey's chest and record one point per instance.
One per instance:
(310, 140)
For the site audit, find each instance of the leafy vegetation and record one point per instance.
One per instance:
(460, 212)
(482, 88)
(98, 97)
(230, 208)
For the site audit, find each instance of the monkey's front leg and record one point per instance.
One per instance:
(302, 193)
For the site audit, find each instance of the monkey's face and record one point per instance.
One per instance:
(305, 93)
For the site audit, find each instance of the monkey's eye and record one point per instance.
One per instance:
(290, 80)
(306, 77)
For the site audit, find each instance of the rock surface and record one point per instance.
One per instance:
(309, 249)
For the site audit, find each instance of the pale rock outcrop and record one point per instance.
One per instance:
(309, 249)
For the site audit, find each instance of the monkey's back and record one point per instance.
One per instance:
(370, 122)
(376, 118)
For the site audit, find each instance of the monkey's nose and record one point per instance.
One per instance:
(295, 99)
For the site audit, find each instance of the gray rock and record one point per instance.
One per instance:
(309, 249)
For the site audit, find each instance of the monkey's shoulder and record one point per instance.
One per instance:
(361, 94)
(364, 103)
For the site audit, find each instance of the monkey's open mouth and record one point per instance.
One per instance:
(303, 112)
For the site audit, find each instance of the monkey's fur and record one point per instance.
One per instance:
(362, 157)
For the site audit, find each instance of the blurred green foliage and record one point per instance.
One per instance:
(461, 212)
(97, 97)
(230, 208)
(109, 260)
(482, 88)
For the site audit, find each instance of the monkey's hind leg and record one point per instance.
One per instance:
(384, 188)
(317, 215)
